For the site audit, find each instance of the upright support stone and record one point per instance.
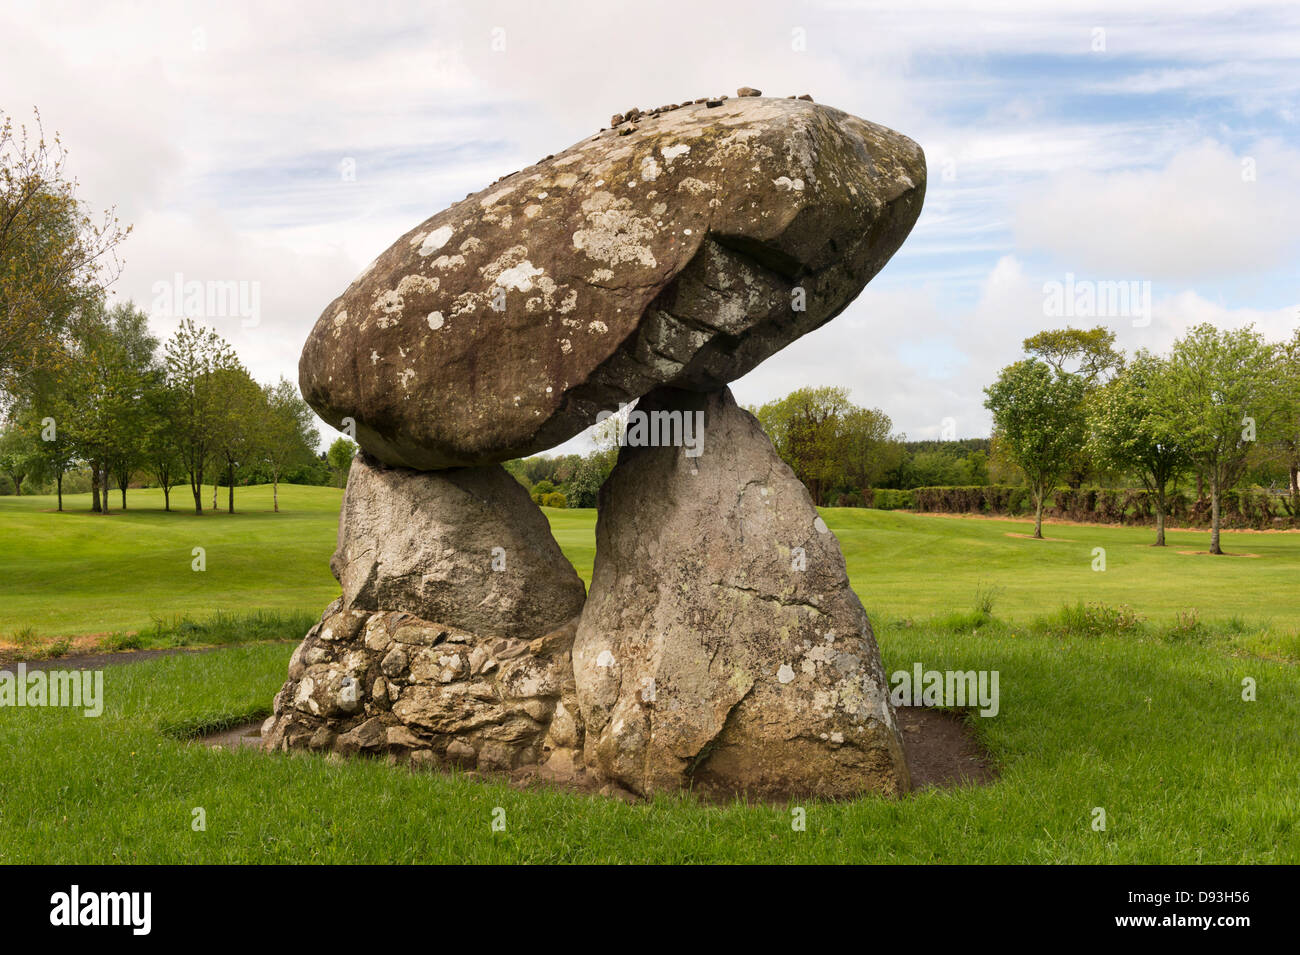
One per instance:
(466, 547)
(721, 646)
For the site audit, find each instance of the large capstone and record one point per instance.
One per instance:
(466, 547)
(679, 249)
(721, 647)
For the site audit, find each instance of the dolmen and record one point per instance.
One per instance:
(721, 648)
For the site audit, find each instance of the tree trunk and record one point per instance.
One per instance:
(196, 488)
(215, 486)
(124, 495)
(59, 483)
(275, 494)
(1214, 516)
(1038, 515)
(167, 496)
(230, 484)
(1160, 522)
(94, 489)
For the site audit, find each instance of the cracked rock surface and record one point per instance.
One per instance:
(680, 250)
(466, 547)
(721, 646)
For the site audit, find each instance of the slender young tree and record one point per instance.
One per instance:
(1125, 432)
(1038, 421)
(194, 357)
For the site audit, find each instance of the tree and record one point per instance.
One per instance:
(194, 358)
(1218, 399)
(868, 449)
(287, 437)
(1087, 354)
(236, 424)
(339, 456)
(102, 388)
(1126, 433)
(18, 456)
(54, 257)
(161, 450)
(1289, 415)
(1038, 422)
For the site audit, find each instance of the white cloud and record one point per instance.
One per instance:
(1200, 215)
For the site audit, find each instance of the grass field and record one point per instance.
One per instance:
(1140, 716)
(78, 572)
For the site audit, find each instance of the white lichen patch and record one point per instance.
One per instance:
(694, 186)
(519, 277)
(785, 674)
(615, 233)
(435, 240)
(649, 169)
(472, 244)
(444, 262)
(488, 202)
(672, 152)
(786, 184)
(435, 320)
(597, 327)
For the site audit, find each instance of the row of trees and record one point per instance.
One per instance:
(117, 406)
(1218, 403)
(83, 385)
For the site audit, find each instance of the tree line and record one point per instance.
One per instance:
(122, 408)
(84, 386)
(1222, 404)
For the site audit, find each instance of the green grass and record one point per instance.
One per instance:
(1120, 689)
(1157, 736)
(77, 572)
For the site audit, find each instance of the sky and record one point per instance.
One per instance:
(1134, 165)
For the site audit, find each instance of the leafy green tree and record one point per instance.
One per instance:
(1288, 440)
(1088, 354)
(55, 258)
(1125, 432)
(1219, 399)
(592, 472)
(339, 456)
(238, 424)
(161, 450)
(18, 456)
(195, 357)
(286, 435)
(1038, 422)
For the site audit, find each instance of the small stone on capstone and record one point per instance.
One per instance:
(806, 97)
(714, 102)
(748, 91)
(616, 119)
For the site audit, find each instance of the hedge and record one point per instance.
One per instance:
(1251, 508)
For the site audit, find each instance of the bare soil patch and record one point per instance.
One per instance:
(942, 752)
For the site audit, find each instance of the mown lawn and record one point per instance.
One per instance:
(78, 572)
(1156, 735)
(1135, 711)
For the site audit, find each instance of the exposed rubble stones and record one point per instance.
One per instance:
(392, 683)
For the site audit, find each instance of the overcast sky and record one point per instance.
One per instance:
(287, 145)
